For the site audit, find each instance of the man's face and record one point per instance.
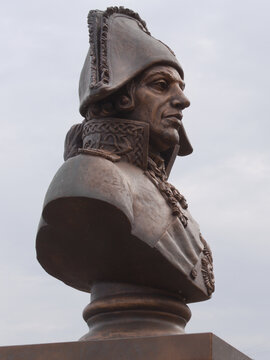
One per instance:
(159, 101)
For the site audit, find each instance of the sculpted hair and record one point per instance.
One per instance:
(118, 104)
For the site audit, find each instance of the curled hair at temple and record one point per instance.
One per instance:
(118, 104)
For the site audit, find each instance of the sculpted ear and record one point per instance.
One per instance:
(124, 103)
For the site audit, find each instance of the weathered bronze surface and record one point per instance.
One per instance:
(122, 310)
(180, 347)
(112, 224)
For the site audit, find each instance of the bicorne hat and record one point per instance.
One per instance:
(121, 47)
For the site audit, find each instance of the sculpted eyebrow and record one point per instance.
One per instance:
(168, 76)
(160, 73)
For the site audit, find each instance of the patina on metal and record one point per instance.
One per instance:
(111, 223)
(205, 346)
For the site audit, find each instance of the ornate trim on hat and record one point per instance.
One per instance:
(121, 10)
(92, 35)
(98, 41)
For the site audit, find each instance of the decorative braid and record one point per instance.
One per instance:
(100, 72)
(92, 35)
(207, 267)
(104, 69)
(172, 196)
(122, 138)
(122, 10)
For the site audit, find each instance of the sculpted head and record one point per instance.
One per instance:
(138, 78)
(159, 101)
(156, 97)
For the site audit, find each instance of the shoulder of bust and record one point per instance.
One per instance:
(86, 176)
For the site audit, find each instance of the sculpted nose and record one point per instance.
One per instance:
(180, 101)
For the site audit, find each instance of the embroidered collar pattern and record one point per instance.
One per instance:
(119, 139)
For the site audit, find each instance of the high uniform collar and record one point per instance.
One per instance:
(126, 139)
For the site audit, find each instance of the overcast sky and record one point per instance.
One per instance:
(223, 47)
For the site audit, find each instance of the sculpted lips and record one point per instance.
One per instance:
(174, 120)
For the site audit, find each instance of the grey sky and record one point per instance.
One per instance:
(224, 49)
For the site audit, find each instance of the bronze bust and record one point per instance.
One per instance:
(111, 223)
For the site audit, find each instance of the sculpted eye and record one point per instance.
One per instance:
(160, 85)
(182, 86)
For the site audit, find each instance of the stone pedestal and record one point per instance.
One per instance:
(204, 346)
